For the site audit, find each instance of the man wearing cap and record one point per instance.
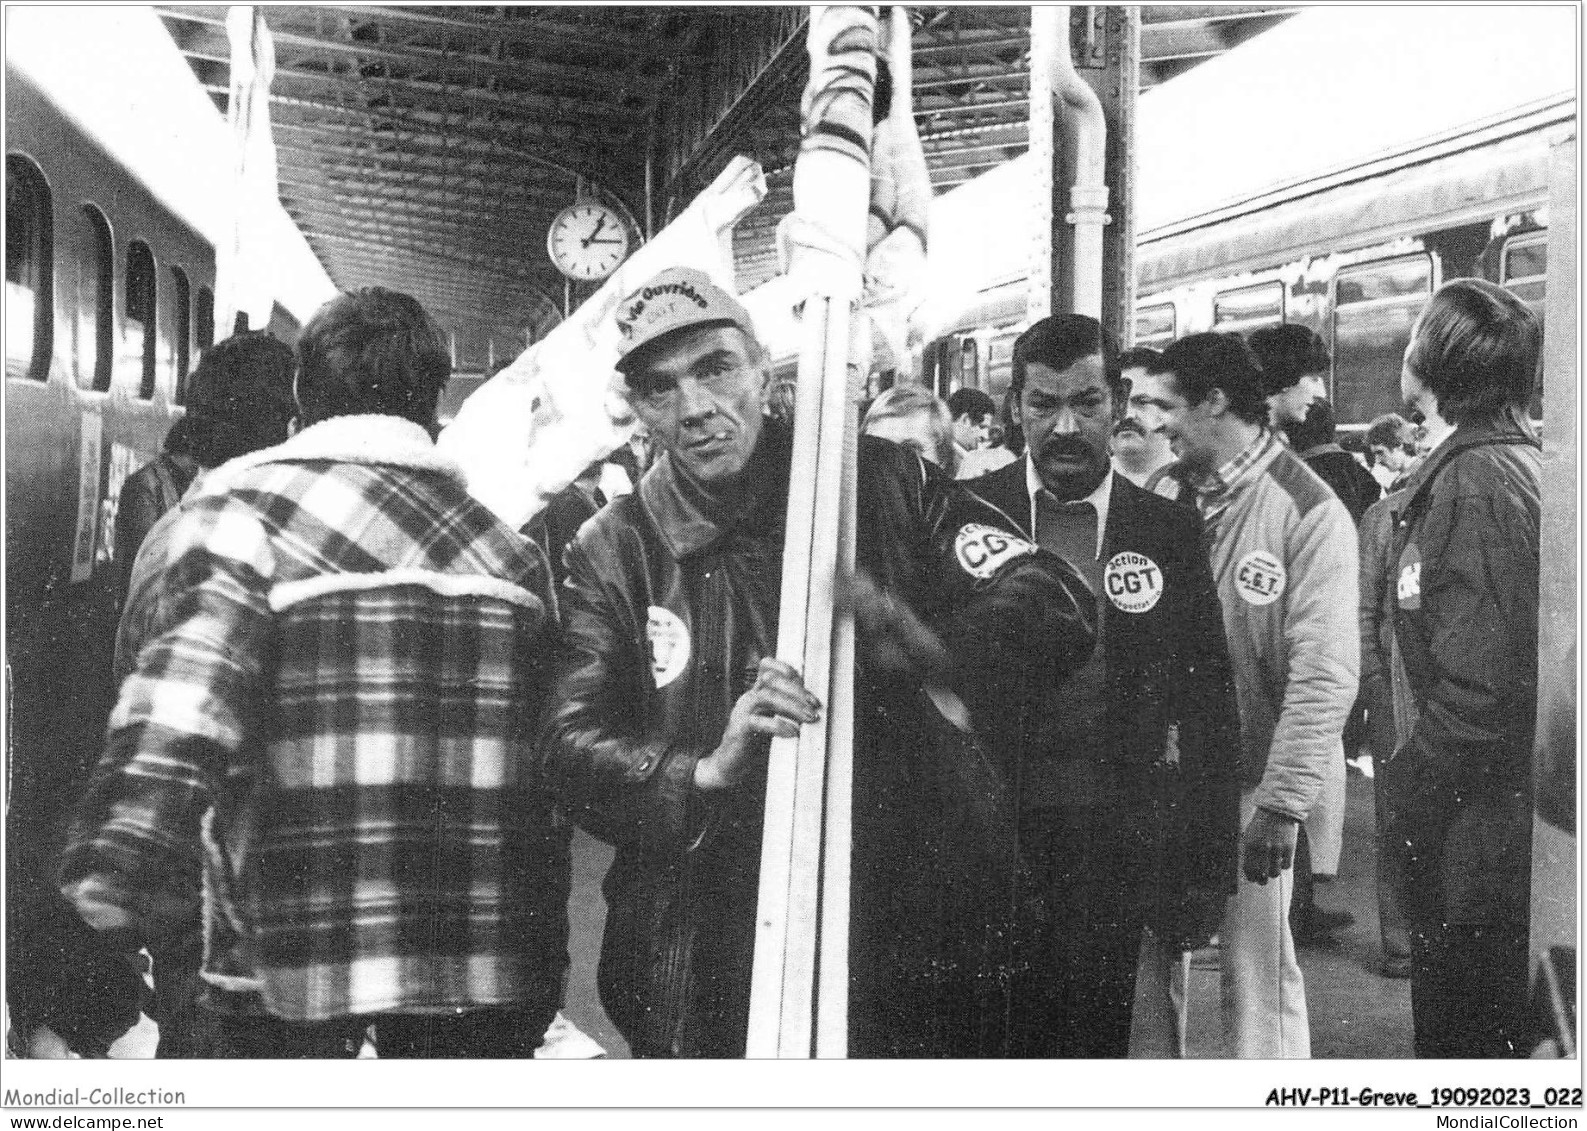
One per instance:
(667, 693)
(1126, 782)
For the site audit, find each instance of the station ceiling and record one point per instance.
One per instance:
(428, 148)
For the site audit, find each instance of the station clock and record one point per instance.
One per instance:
(587, 241)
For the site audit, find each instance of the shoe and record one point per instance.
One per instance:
(1396, 966)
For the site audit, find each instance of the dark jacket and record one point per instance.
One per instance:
(147, 494)
(1157, 824)
(1354, 484)
(1465, 572)
(669, 605)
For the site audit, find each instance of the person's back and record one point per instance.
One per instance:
(1313, 439)
(279, 694)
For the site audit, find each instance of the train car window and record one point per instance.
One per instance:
(142, 288)
(1155, 325)
(1248, 308)
(1525, 259)
(95, 336)
(204, 318)
(1375, 305)
(182, 332)
(30, 270)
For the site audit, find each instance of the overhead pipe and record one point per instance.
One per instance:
(1080, 110)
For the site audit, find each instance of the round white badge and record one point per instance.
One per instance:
(669, 645)
(1259, 578)
(1133, 582)
(982, 550)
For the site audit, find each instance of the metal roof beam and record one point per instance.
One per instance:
(410, 149)
(325, 215)
(935, 48)
(485, 265)
(454, 97)
(422, 202)
(456, 233)
(505, 29)
(496, 29)
(459, 136)
(465, 67)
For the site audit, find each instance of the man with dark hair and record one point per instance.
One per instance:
(1464, 571)
(239, 400)
(1125, 772)
(1284, 554)
(667, 695)
(375, 846)
(971, 410)
(1391, 441)
(973, 415)
(1295, 367)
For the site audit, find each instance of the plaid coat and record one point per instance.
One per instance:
(335, 700)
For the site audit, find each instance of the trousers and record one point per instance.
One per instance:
(1160, 1018)
(1469, 990)
(1262, 992)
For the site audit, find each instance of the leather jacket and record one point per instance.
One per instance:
(670, 602)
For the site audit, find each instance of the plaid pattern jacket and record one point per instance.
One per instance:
(336, 699)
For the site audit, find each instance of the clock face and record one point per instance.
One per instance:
(587, 241)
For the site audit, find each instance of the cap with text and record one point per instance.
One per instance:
(675, 299)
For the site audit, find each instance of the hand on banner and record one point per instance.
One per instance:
(774, 707)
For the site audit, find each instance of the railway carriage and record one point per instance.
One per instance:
(1352, 255)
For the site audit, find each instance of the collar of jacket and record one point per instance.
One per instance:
(1507, 427)
(377, 440)
(690, 517)
(1319, 449)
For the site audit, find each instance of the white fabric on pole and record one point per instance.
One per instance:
(525, 434)
(244, 274)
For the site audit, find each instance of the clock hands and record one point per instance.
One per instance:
(589, 239)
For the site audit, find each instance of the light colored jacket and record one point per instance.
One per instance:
(1284, 553)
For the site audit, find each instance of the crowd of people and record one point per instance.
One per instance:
(1107, 675)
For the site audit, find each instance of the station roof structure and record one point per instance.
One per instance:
(428, 148)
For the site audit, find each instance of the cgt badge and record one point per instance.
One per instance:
(1259, 578)
(983, 550)
(1134, 583)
